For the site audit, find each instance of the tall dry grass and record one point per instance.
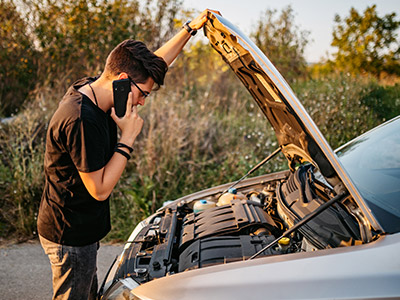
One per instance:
(195, 136)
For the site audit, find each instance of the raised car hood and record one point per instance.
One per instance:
(299, 138)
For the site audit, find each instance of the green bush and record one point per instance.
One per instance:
(22, 146)
(18, 59)
(336, 105)
(384, 101)
(77, 35)
(21, 167)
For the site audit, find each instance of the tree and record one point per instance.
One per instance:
(367, 43)
(75, 36)
(17, 59)
(283, 42)
(43, 41)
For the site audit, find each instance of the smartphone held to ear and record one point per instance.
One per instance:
(121, 89)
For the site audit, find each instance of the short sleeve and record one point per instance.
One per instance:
(86, 145)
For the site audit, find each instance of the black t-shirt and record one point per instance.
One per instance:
(81, 137)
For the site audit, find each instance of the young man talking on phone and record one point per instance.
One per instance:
(84, 160)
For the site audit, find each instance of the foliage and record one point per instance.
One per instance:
(201, 131)
(338, 105)
(17, 59)
(44, 40)
(283, 42)
(22, 146)
(77, 35)
(384, 101)
(68, 32)
(367, 42)
(21, 169)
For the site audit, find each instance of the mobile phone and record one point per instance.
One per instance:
(121, 89)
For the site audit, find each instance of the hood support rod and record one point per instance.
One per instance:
(303, 221)
(254, 169)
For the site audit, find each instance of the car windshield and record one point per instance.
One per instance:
(373, 162)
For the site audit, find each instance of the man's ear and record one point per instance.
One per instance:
(122, 75)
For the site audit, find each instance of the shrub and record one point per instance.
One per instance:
(22, 145)
(384, 101)
(336, 106)
(21, 165)
(17, 60)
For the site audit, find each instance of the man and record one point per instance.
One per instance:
(83, 161)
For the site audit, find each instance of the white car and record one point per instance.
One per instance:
(327, 228)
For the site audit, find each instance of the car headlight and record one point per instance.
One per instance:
(121, 290)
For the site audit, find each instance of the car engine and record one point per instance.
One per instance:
(181, 237)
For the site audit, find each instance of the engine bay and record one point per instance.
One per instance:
(219, 228)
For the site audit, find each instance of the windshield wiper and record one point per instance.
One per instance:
(254, 169)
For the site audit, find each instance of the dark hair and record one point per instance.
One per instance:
(135, 59)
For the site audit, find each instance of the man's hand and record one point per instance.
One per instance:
(130, 124)
(199, 21)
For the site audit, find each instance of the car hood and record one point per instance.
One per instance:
(299, 138)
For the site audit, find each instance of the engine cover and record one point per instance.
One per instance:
(238, 217)
(217, 250)
(176, 233)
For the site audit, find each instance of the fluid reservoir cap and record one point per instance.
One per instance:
(232, 191)
(202, 204)
(284, 241)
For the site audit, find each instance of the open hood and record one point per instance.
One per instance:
(299, 138)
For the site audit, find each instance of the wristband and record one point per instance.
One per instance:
(123, 153)
(189, 29)
(124, 146)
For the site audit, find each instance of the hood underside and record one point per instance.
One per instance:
(298, 136)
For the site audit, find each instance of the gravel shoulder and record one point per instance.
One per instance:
(25, 270)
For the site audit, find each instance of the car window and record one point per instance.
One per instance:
(373, 163)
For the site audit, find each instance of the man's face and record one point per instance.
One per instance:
(141, 90)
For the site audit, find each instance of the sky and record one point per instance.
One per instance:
(315, 16)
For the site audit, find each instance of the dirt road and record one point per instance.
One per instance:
(25, 270)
